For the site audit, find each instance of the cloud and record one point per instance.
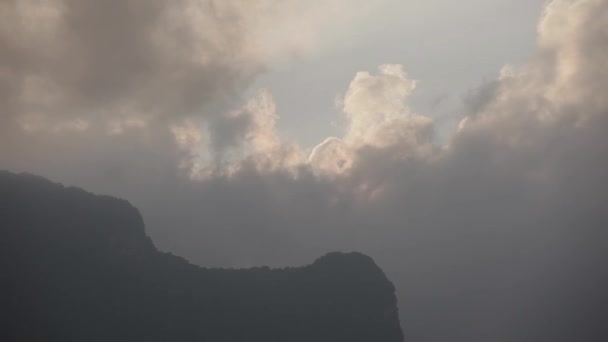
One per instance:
(376, 116)
(73, 59)
(332, 157)
(113, 67)
(62, 60)
(498, 235)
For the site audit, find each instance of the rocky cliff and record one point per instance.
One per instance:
(79, 267)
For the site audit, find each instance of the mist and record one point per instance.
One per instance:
(496, 232)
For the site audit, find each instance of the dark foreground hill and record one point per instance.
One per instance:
(79, 267)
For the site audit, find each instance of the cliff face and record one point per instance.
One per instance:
(78, 266)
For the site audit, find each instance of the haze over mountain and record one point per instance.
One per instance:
(482, 195)
(79, 267)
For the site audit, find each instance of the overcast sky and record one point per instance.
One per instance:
(463, 145)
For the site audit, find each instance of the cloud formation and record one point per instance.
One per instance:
(498, 235)
(80, 59)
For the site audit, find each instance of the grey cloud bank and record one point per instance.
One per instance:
(499, 235)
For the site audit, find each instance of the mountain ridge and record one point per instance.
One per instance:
(79, 266)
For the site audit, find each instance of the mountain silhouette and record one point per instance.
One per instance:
(80, 267)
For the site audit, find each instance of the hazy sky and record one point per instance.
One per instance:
(463, 145)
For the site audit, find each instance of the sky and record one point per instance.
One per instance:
(463, 145)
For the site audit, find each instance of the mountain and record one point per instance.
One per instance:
(79, 267)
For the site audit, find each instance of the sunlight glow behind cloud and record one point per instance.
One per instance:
(503, 224)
